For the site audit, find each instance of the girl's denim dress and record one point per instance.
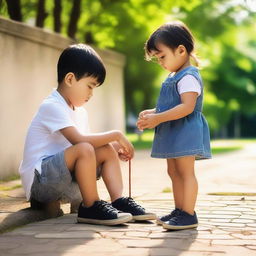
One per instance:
(187, 136)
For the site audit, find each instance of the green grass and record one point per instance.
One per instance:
(166, 190)
(10, 178)
(6, 188)
(144, 141)
(218, 150)
(231, 194)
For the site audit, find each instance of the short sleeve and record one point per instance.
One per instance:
(55, 116)
(189, 84)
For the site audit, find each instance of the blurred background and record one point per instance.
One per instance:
(224, 31)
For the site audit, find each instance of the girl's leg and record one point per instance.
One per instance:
(185, 167)
(81, 159)
(111, 170)
(177, 183)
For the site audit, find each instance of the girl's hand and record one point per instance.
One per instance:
(148, 121)
(142, 114)
(145, 112)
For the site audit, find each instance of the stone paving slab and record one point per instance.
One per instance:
(221, 231)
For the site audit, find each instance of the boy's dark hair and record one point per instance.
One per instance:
(81, 60)
(171, 34)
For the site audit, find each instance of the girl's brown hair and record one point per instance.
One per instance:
(171, 34)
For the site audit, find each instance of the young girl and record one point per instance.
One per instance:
(181, 131)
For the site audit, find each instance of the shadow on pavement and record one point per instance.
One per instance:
(174, 243)
(23, 217)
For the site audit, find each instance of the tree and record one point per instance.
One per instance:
(74, 17)
(14, 9)
(229, 62)
(57, 15)
(41, 14)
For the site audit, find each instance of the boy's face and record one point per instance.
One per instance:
(80, 91)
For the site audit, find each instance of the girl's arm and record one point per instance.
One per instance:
(188, 102)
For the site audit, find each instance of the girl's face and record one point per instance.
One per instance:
(172, 60)
(79, 91)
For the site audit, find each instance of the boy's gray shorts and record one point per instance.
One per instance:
(56, 182)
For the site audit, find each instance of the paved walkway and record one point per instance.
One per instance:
(227, 227)
(227, 223)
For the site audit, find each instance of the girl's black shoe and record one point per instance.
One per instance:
(182, 221)
(174, 213)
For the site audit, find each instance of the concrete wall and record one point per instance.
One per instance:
(28, 58)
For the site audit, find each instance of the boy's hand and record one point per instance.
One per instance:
(148, 121)
(123, 155)
(127, 148)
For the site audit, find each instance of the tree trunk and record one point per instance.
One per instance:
(41, 14)
(237, 125)
(88, 37)
(56, 15)
(14, 9)
(75, 13)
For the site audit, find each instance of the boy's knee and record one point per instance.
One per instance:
(85, 149)
(110, 149)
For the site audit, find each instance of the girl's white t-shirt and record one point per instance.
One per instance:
(189, 83)
(44, 138)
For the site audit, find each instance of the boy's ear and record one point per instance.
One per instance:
(69, 79)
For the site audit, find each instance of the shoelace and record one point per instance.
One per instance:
(174, 213)
(132, 203)
(177, 218)
(106, 207)
(168, 216)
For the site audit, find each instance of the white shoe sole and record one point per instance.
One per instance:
(112, 222)
(150, 216)
(171, 227)
(159, 222)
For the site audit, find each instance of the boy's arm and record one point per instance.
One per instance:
(98, 139)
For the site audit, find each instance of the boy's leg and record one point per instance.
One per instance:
(111, 174)
(111, 170)
(177, 183)
(185, 167)
(81, 159)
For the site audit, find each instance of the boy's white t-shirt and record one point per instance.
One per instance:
(189, 83)
(44, 138)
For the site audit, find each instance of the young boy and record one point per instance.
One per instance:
(59, 147)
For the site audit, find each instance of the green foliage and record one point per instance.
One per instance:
(224, 32)
(3, 8)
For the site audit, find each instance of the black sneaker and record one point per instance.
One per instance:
(101, 213)
(174, 213)
(182, 221)
(127, 204)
